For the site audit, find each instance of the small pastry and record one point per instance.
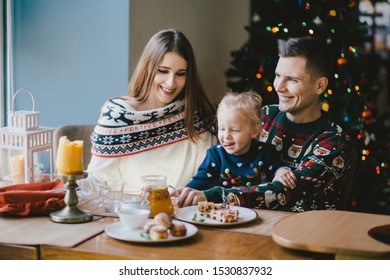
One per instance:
(162, 219)
(217, 211)
(158, 232)
(205, 206)
(228, 216)
(178, 229)
(148, 225)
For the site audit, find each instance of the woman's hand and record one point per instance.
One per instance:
(286, 177)
(188, 197)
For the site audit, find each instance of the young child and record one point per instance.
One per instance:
(239, 159)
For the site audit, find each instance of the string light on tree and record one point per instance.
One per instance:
(351, 94)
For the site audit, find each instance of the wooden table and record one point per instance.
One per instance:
(273, 235)
(208, 244)
(18, 252)
(247, 241)
(347, 235)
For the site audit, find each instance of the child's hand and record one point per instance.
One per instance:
(286, 177)
(188, 197)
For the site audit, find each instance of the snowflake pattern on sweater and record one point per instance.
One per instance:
(123, 131)
(317, 152)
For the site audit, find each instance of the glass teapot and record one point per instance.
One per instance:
(154, 190)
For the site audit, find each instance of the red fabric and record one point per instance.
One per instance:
(31, 199)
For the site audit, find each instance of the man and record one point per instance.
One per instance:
(315, 148)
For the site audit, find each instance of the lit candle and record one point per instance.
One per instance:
(17, 169)
(70, 156)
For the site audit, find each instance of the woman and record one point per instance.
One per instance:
(163, 127)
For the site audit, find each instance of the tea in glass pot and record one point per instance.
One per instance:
(155, 191)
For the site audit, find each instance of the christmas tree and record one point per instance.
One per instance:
(352, 91)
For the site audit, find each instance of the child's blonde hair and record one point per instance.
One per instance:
(248, 103)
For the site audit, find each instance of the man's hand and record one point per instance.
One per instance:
(286, 177)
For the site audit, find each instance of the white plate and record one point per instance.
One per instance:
(118, 231)
(245, 215)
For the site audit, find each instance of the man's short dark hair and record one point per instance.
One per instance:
(316, 53)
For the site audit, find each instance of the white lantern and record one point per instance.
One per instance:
(23, 139)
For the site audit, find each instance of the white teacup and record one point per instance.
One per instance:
(134, 203)
(131, 204)
(133, 218)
